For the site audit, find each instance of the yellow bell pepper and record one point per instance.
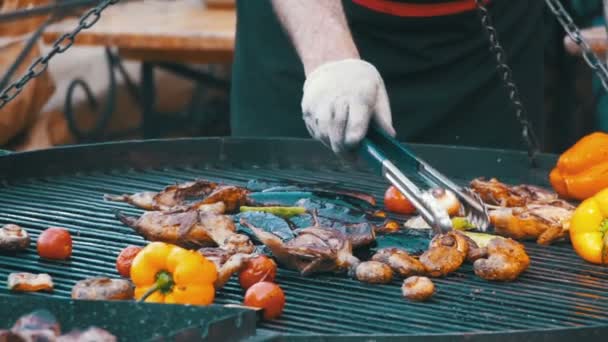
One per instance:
(165, 273)
(588, 227)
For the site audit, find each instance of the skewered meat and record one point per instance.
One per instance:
(545, 223)
(29, 282)
(187, 196)
(101, 288)
(190, 229)
(506, 260)
(314, 249)
(374, 272)
(494, 192)
(399, 261)
(13, 238)
(418, 288)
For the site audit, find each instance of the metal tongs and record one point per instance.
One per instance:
(387, 156)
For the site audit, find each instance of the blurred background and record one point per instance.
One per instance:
(156, 69)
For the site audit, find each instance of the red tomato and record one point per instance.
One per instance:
(395, 201)
(258, 269)
(268, 296)
(125, 259)
(55, 243)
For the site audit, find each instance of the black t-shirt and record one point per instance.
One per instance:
(439, 72)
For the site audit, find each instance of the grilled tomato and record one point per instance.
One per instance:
(396, 202)
(268, 296)
(260, 268)
(55, 243)
(125, 259)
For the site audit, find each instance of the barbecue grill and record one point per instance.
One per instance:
(559, 298)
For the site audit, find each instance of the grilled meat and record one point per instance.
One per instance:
(399, 261)
(101, 288)
(359, 234)
(374, 272)
(190, 229)
(545, 223)
(13, 238)
(506, 260)
(187, 196)
(234, 264)
(168, 198)
(216, 255)
(494, 192)
(418, 288)
(29, 282)
(315, 249)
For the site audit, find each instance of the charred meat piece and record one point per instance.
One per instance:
(374, 272)
(314, 250)
(232, 196)
(494, 192)
(506, 260)
(91, 334)
(101, 288)
(418, 288)
(39, 325)
(169, 228)
(216, 255)
(545, 223)
(29, 282)
(399, 261)
(170, 197)
(359, 234)
(187, 196)
(234, 264)
(13, 238)
(190, 229)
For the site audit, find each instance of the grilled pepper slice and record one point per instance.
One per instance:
(581, 170)
(165, 273)
(588, 228)
(284, 212)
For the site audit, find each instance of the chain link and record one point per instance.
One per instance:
(507, 79)
(59, 46)
(575, 34)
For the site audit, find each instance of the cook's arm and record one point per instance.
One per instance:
(342, 92)
(318, 30)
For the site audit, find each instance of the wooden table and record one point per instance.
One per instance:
(166, 34)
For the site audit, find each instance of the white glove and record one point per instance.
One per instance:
(340, 98)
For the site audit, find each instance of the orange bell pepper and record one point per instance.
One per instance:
(165, 273)
(588, 228)
(582, 170)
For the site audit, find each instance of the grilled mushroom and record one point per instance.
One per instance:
(418, 288)
(101, 288)
(399, 261)
(374, 272)
(13, 238)
(506, 260)
(29, 282)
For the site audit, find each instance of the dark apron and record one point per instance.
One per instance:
(439, 73)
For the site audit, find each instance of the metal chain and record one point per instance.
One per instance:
(507, 78)
(575, 34)
(59, 46)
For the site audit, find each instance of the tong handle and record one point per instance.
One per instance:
(431, 212)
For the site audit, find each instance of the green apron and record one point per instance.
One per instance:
(439, 73)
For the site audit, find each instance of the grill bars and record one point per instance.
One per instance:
(558, 291)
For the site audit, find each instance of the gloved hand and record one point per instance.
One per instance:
(340, 99)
